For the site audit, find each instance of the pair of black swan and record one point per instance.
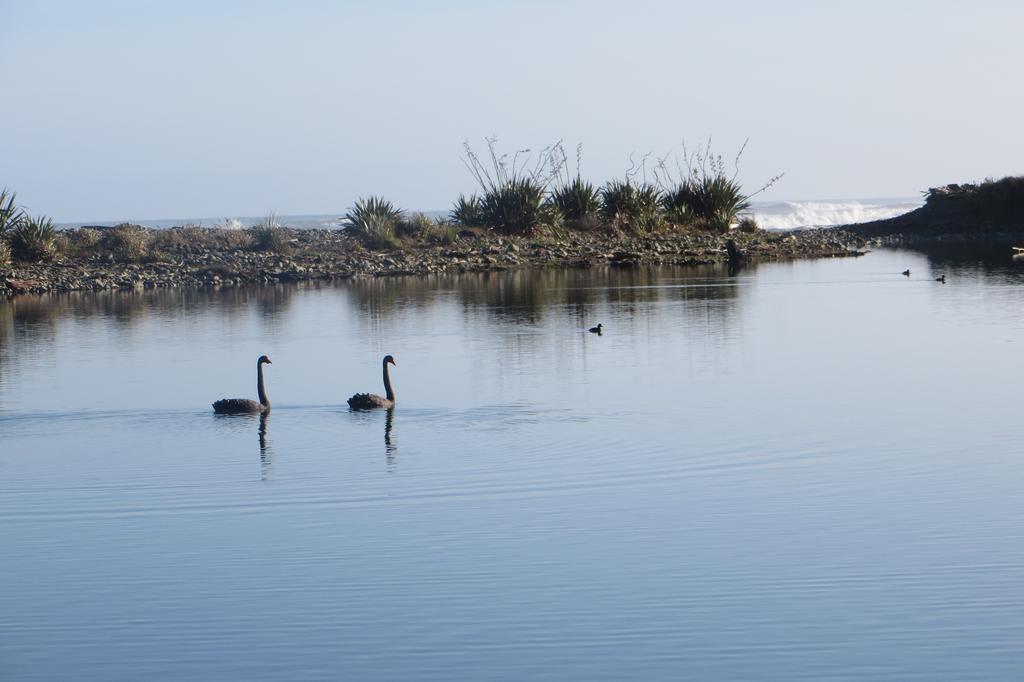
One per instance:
(360, 401)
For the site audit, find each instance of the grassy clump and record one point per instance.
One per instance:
(513, 199)
(11, 215)
(415, 225)
(467, 211)
(748, 224)
(677, 203)
(444, 234)
(705, 195)
(33, 240)
(577, 200)
(186, 239)
(632, 206)
(227, 238)
(514, 207)
(268, 238)
(82, 242)
(374, 222)
(268, 235)
(712, 201)
(428, 230)
(126, 243)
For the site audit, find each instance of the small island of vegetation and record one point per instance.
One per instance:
(529, 211)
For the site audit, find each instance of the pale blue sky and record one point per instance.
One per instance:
(133, 110)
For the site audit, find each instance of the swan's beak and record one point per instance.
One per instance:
(269, 362)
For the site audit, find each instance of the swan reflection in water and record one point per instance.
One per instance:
(242, 422)
(390, 446)
(264, 450)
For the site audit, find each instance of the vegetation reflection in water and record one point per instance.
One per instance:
(513, 297)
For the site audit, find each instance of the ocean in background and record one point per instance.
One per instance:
(771, 215)
(787, 215)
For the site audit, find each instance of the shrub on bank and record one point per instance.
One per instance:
(81, 243)
(444, 234)
(415, 225)
(632, 206)
(514, 207)
(467, 211)
(5, 252)
(374, 222)
(577, 200)
(514, 189)
(268, 235)
(705, 195)
(423, 228)
(268, 238)
(677, 204)
(714, 201)
(126, 243)
(33, 240)
(11, 214)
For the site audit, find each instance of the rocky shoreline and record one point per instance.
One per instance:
(326, 255)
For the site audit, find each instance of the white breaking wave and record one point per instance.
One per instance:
(786, 215)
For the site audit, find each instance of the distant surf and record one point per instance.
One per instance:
(771, 215)
(302, 222)
(787, 215)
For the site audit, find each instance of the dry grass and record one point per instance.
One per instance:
(81, 243)
(126, 243)
(187, 239)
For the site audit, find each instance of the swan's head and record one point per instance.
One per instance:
(388, 360)
(264, 360)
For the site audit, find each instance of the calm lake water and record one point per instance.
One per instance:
(809, 470)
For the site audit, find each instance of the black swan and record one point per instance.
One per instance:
(369, 401)
(244, 405)
(941, 279)
(905, 273)
(599, 329)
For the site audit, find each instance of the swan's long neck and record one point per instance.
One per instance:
(387, 384)
(260, 389)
